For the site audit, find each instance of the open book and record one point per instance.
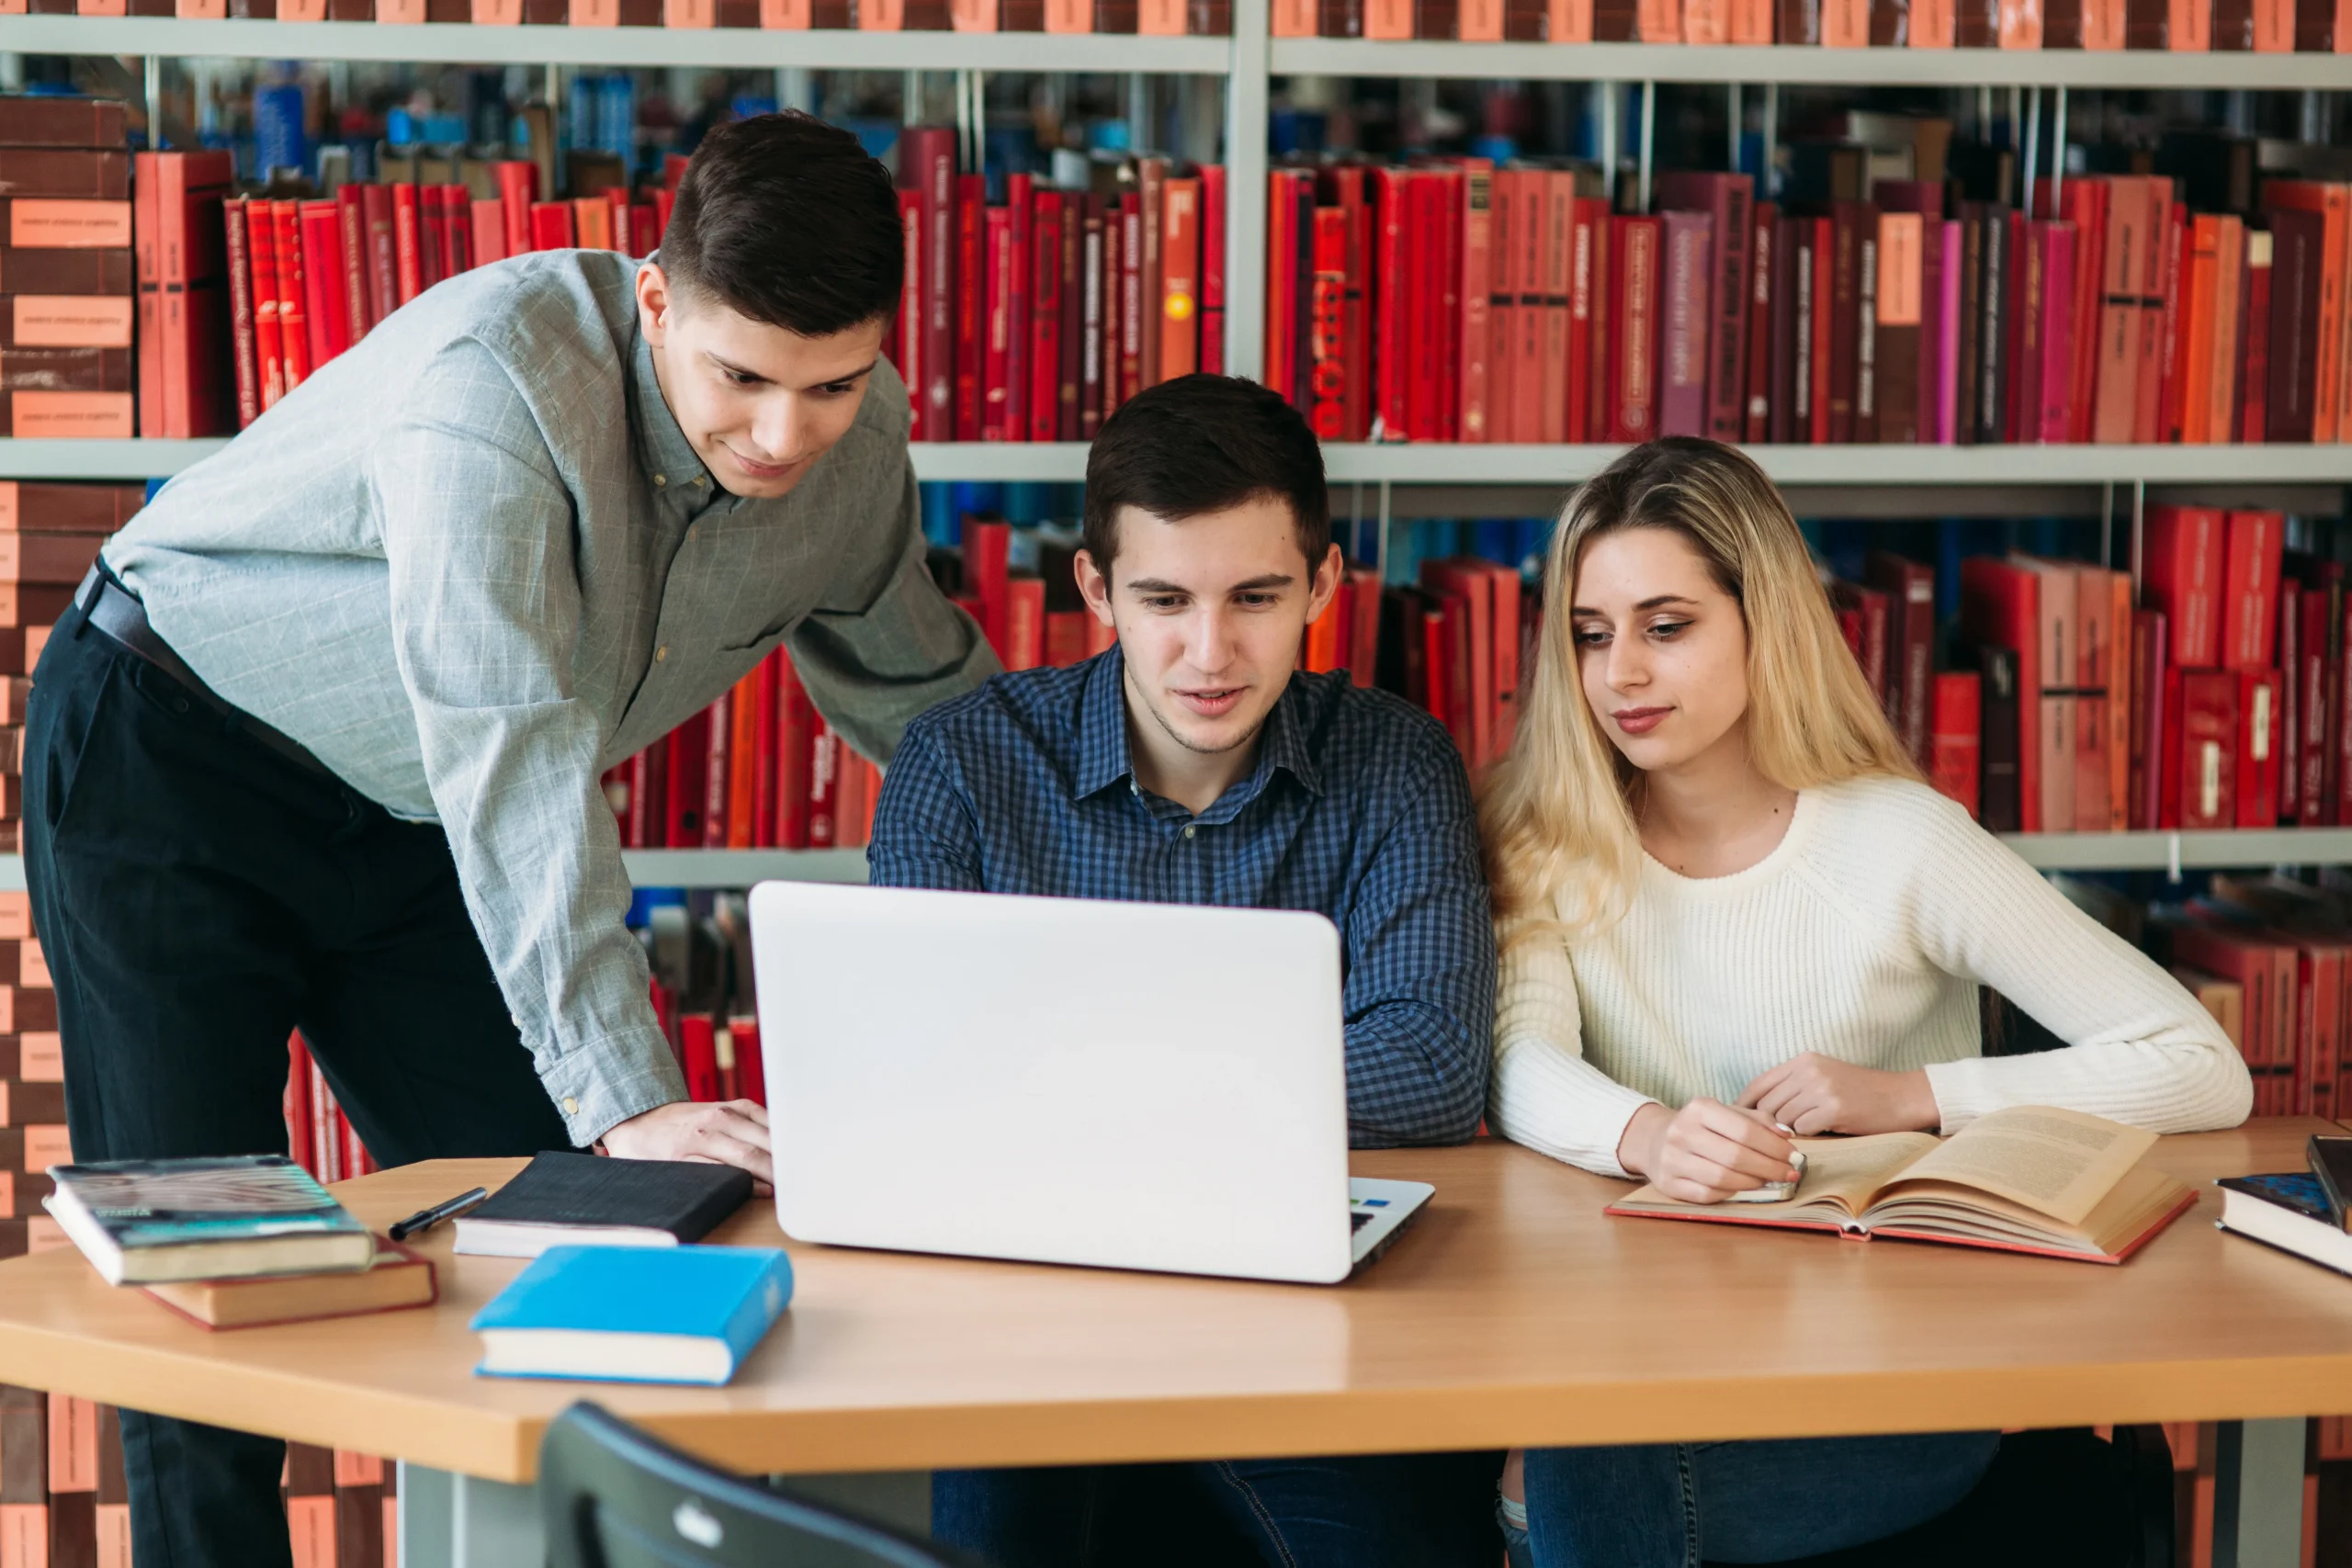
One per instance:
(2031, 1178)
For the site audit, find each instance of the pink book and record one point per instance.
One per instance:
(1948, 341)
(1683, 313)
(2057, 329)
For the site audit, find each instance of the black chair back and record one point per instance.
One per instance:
(611, 1496)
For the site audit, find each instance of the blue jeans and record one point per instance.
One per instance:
(1375, 1511)
(1674, 1504)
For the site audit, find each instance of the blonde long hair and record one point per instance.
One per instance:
(1557, 812)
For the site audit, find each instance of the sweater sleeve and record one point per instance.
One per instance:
(1544, 1093)
(2138, 1048)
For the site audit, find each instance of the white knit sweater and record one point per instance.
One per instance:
(1863, 936)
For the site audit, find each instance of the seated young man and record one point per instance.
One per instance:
(1193, 764)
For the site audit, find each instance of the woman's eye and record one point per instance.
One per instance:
(1591, 636)
(1667, 629)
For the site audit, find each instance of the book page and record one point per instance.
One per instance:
(2059, 1163)
(1841, 1177)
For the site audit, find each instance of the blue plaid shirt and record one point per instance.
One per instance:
(1358, 808)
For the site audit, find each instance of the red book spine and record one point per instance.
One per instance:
(971, 311)
(1475, 293)
(2314, 800)
(907, 331)
(987, 568)
(351, 233)
(1635, 284)
(1424, 254)
(689, 771)
(1213, 269)
(146, 219)
(241, 315)
(718, 746)
(323, 280)
(1588, 240)
(2250, 589)
(824, 785)
(1045, 318)
(1823, 309)
(763, 756)
(1390, 285)
(2291, 685)
(408, 242)
(1327, 371)
(1757, 422)
(381, 258)
(2001, 607)
(996, 382)
(1025, 622)
(1130, 299)
(796, 728)
(2181, 575)
(927, 158)
(518, 187)
(698, 1056)
(457, 231)
(2056, 371)
(1282, 252)
(2150, 658)
(648, 796)
(1021, 212)
(2259, 747)
(2254, 402)
(2209, 748)
(2339, 738)
(262, 240)
(550, 230)
(293, 327)
(1069, 421)
(1953, 747)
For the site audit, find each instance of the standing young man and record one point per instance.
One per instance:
(319, 743)
(1191, 765)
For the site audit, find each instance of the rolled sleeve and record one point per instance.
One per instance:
(485, 615)
(1420, 996)
(884, 644)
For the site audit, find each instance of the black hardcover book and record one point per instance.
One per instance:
(566, 1199)
(1996, 794)
(2331, 1163)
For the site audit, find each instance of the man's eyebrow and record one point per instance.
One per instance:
(727, 365)
(1651, 603)
(1255, 585)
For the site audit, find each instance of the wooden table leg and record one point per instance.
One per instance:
(2258, 1495)
(460, 1521)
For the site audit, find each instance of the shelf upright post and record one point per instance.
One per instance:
(1649, 129)
(1380, 559)
(1609, 111)
(153, 75)
(2139, 515)
(1768, 171)
(1244, 192)
(2107, 524)
(2058, 154)
(1734, 113)
(2033, 149)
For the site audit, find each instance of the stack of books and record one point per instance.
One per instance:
(66, 281)
(62, 1497)
(32, 1085)
(2302, 1212)
(1158, 18)
(2266, 25)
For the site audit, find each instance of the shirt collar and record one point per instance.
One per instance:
(1103, 759)
(661, 443)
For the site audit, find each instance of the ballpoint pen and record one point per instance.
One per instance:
(426, 1219)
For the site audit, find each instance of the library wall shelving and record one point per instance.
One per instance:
(1394, 482)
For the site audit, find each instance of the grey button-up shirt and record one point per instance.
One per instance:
(474, 562)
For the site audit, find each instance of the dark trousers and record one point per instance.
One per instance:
(1366, 1511)
(198, 896)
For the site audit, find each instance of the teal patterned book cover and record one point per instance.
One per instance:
(145, 1204)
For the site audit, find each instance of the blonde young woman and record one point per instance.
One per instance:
(1731, 907)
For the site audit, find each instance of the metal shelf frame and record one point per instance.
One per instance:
(2167, 852)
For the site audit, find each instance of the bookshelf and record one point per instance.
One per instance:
(2167, 852)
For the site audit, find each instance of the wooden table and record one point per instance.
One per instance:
(1514, 1312)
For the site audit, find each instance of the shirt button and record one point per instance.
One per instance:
(1190, 832)
(660, 479)
(570, 1106)
(660, 653)
(690, 534)
(514, 1019)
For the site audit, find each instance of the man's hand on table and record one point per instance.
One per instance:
(733, 1132)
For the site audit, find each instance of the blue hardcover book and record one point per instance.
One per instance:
(634, 1315)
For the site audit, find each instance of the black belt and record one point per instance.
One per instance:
(116, 611)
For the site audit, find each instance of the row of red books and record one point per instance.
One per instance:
(2242, 26)
(1457, 301)
(307, 278)
(1152, 17)
(758, 768)
(1032, 321)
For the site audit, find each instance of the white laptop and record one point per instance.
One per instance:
(1129, 1086)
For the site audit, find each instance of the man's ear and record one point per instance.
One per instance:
(1093, 586)
(1326, 586)
(656, 303)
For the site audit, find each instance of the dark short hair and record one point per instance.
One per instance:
(785, 219)
(1202, 444)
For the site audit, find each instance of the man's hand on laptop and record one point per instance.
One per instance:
(733, 1132)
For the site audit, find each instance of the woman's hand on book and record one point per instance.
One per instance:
(1813, 1093)
(733, 1132)
(1704, 1152)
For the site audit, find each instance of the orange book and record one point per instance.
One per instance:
(1321, 649)
(1704, 21)
(2202, 276)
(2329, 200)
(1478, 21)
(2190, 26)
(2103, 24)
(1469, 581)
(743, 760)
(1845, 24)
(1180, 278)
(2163, 290)
(689, 14)
(592, 222)
(1292, 19)
(1933, 24)
(2129, 232)
(2020, 24)
(1070, 16)
(2274, 27)
(2229, 287)
(1568, 21)
(1751, 21)
(1661, 21)
(792, 16)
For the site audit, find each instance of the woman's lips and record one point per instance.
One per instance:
(1640, 721)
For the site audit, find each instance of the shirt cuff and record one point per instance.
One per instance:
(1612, 1122)
(599, 1084)
(1964, 1091)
